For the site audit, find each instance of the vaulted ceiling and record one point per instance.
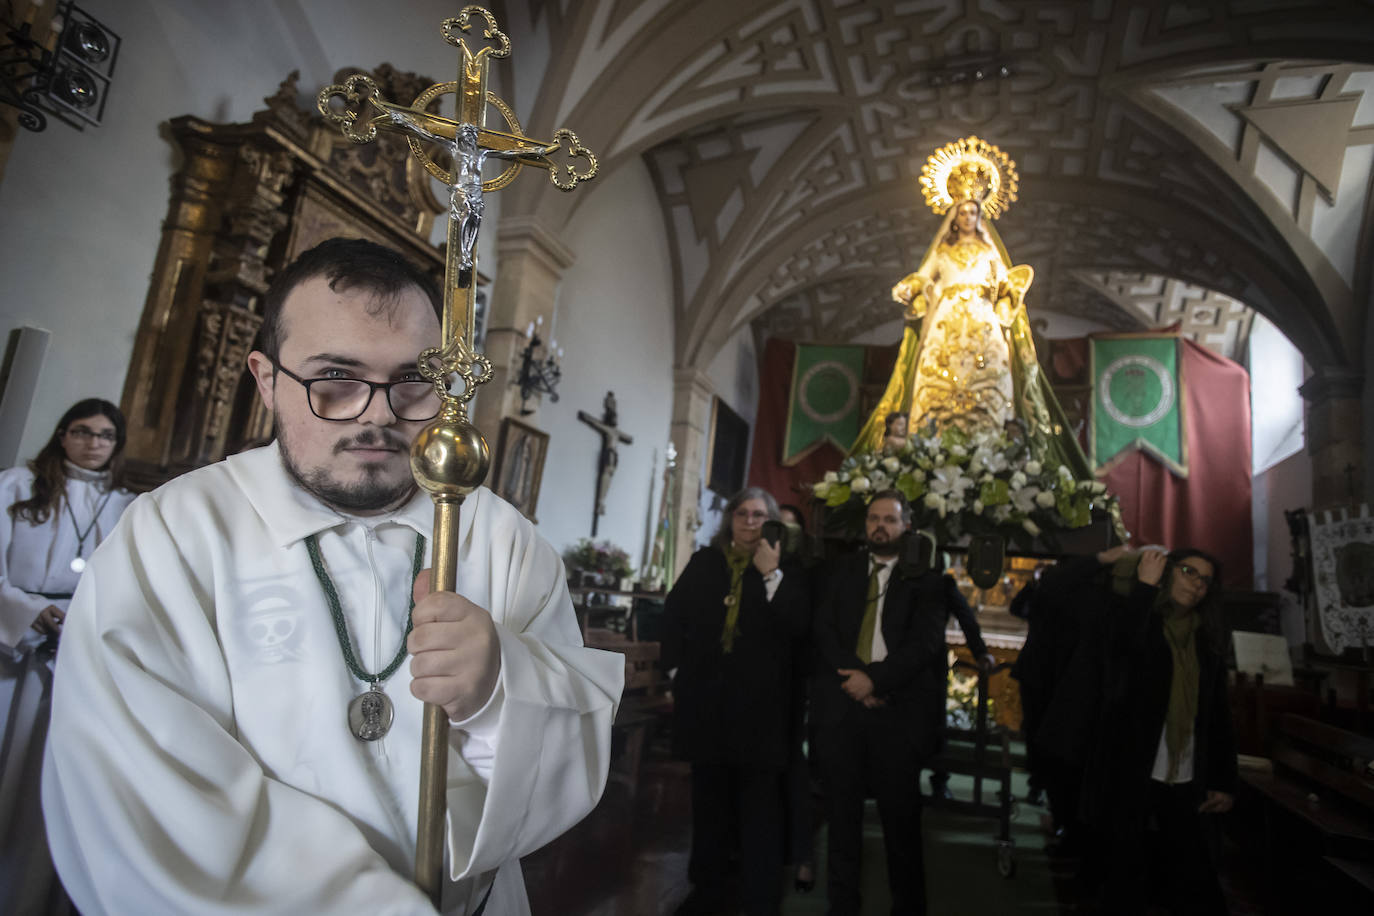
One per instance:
(1179, 161)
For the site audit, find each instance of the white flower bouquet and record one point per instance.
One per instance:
(967, 484)
(961, 699)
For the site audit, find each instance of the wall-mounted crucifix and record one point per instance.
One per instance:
(611, 437)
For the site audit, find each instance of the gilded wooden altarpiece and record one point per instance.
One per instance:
(246, 200)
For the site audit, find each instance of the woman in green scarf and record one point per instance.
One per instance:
(1168, 751)
(731, 623)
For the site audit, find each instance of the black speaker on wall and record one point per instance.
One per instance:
(82, 67)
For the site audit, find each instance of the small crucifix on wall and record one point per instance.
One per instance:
(611, 437)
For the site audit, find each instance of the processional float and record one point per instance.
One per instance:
(450, 457)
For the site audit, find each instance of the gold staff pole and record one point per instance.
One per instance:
(449, 457)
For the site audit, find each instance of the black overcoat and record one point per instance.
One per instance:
(1136, 679)
(732, 708)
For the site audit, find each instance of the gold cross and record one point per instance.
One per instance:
(358, 108)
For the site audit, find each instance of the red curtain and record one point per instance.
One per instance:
(1210, 510)
(765, 463)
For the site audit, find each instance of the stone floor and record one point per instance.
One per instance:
(629, 858)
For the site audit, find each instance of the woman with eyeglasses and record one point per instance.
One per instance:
(1167, 757)
(731, 623)
(58, 509)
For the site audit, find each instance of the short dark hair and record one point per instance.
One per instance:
(902, 503)
(890, 418)
(346, 264)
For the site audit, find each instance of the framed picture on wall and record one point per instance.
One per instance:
(520, 452)
(729, 446)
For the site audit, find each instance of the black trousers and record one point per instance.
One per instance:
(862, 756)
(1170, 862)
(749, 803)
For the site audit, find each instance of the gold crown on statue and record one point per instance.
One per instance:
(969, 169)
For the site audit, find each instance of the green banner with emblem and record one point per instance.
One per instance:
(824, 404)
(1137, 400)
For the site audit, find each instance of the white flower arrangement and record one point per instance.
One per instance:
(961, 484)
(961, 699)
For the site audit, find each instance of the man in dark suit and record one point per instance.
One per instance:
(878, 703)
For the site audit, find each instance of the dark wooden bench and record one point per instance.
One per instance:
(1314, 813)
(642, 706)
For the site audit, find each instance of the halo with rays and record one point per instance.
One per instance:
(969, 169)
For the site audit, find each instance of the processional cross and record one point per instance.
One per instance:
(450, 458)
(609, 458)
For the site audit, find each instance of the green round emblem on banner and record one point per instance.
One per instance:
(1136, 391)
(828, 391)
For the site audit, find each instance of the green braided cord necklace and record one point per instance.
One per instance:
(370, 713)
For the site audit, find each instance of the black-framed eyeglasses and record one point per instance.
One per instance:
(105, 436)
(341, 399)
(1193, 572)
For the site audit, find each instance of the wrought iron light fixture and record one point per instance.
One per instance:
(66, 73)
(538, 375)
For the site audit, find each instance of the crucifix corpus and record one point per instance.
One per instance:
(611, 437)
(450, 458)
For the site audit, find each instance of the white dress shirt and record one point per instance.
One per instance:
(884, 567)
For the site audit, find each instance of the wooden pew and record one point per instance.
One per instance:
(642, 705)
(1315, 814)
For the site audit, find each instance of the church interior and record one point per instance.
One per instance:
(1195, 175)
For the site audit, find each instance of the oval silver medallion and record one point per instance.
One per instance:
(370, 714)
(78, 565)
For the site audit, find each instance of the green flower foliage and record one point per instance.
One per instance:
(962, 483)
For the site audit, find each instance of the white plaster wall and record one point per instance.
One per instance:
(1286, 485)
(615, 326)
(1063, 326)
(1276, 409)
(735, 373)
(81, 213)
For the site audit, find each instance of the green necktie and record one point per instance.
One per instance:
(865, 647)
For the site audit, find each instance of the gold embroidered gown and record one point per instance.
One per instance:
(963, 370)
(967, 358)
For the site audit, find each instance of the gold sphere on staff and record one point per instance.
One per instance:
(450, 457)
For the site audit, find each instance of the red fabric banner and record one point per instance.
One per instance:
(770, 426)
(1211, 509)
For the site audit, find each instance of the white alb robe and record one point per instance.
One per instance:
(36, 558)
(200, 759)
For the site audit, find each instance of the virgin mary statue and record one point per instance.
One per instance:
(967, 359)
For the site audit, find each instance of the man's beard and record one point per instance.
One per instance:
(369, 494)
(882, 548)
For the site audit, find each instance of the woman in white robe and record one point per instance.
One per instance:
(57, 509)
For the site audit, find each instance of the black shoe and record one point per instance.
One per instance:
(941, 790)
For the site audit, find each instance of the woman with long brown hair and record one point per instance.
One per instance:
(57, 509)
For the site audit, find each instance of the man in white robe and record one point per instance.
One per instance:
(201, 759)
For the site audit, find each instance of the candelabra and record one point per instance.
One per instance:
(538, 376)
(66, 73)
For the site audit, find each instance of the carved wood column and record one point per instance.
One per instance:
(246, 201)
(1335, 435)
(692, 394)
(171, 313)
(531, 262)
